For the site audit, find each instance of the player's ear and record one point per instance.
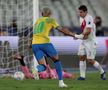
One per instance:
(86, 12)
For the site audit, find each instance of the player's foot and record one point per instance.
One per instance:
(103, 76)
(35, 74)
(62, 85)
(80, 78)
(18, 57)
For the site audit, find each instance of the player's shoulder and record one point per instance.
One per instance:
(88, 17)
(81, 19)
(50, 20)
(39, 19)
(36, 21)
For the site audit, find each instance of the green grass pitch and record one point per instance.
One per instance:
(92, 82)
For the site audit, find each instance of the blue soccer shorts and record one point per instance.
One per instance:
(41, 50)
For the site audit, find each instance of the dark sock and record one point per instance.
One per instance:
(58, 69)
(22, 61)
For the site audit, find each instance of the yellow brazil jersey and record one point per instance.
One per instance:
(41, 30)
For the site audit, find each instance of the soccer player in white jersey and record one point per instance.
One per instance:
(87, 48)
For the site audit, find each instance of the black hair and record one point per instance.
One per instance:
(83, 8)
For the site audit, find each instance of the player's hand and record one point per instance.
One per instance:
(85, 37)
(17, 56)
(72, 34)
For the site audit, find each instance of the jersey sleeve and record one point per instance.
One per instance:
(89, 22)
(54, 23)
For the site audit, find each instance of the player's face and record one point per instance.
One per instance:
(82, 13)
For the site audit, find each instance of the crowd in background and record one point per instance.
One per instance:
(12, 29)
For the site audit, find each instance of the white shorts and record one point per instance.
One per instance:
(88, 49)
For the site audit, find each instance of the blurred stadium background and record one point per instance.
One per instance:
(16, 20)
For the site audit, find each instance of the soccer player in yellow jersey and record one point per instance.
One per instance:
(42, 46)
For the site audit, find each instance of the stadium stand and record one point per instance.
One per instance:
(65, 12)
(69, 10)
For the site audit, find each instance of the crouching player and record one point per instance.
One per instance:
(51, 74)
(47, 74)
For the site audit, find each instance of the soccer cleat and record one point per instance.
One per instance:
(35, 74)
(62, 85)
(80, 78)
(103, 76)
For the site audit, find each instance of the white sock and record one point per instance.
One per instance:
(61, 81)
(82, 65)
(85, 65)
(97, 66)
(104, 66)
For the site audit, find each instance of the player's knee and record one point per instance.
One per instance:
(82, 58)
(56, 61)
(91, 61)
(41, 67)
(54, 58)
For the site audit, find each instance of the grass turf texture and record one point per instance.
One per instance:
(92, 82)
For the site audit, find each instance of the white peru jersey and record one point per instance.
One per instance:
(88, 22)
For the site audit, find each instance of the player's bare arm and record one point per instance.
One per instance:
(65, 30)
(86, 33)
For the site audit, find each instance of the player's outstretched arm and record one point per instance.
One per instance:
(65, 30)
(83, 35)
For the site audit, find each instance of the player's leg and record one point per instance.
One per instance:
(42, 64)
(24, 68)
(98, 66)
(39, 55)
(82, 67)
(20, 58)
(27, 73)
(67, 74)
(82, 62)
(53, 74)
(91, 52)
(58, 68)
(104, 62)
(41, 69)
(52, 53)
